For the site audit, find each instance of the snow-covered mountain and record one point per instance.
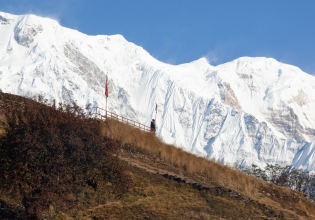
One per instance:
(250, 110)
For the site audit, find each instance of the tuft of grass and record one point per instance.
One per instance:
(3, 123)
(2, 131)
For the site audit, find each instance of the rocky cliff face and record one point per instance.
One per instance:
(250, 110)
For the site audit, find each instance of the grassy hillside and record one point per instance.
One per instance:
(231, 194)
(150, 150)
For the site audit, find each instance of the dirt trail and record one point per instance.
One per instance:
(217, 190)
(182, 179)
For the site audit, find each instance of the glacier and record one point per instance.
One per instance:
(247, 111)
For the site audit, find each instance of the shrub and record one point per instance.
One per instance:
(286, 176)
(51, 151)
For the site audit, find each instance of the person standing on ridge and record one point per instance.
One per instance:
(153, 126)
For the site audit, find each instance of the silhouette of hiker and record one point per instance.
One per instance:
(153, 126)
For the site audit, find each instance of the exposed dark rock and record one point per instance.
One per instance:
(26, 35)
(86, 68)
(4, 20)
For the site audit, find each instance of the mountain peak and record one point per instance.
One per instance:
(201, 61)
(250, 110)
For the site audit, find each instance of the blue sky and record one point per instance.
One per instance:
(180, 31)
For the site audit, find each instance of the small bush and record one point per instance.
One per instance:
(51, 151)
(286, 176)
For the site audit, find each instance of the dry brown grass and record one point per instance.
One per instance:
(144, 142)
(2, 131)
(2, 119)
(154, 197)
(2, 124)
(215, 173)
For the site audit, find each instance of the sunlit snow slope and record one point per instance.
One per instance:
(250, 110)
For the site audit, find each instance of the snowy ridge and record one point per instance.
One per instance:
(250, 110)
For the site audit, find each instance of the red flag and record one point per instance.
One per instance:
(106, 87)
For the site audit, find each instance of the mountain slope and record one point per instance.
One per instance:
(250, 110)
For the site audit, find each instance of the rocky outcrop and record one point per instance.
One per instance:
(228, 96)
(4, 20)
(289, 124)
(86, 68)
(26, 35)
